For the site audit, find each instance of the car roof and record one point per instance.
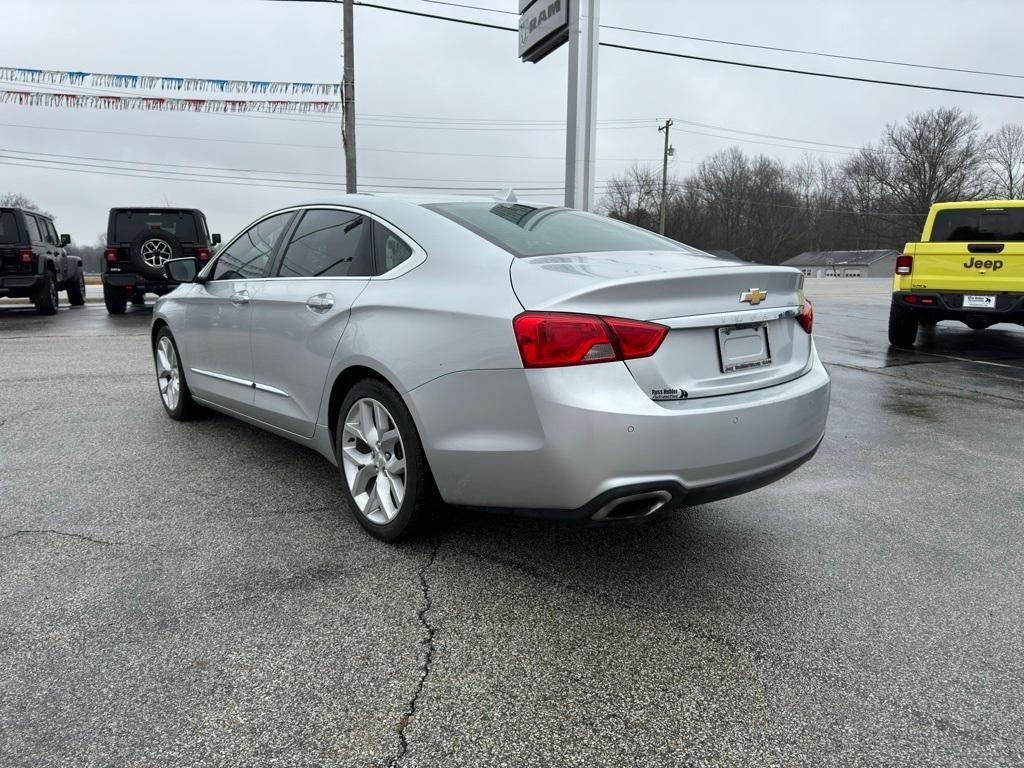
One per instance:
(978, 204)
(27, 210)
(366, 200)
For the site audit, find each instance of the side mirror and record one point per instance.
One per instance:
(215, 239)
(182, 270)
(65, 241)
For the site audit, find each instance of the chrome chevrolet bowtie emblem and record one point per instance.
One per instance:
(755, 296)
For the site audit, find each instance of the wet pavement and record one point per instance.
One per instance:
(196, 594)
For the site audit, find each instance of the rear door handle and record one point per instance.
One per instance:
(240, 297)
(321, 302)
(985, 247)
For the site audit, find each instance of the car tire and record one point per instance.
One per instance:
(367, 465)
(175, 395)
(76, 290)
(46, 298)
(114, 298)
(167, 245)
(902, 326)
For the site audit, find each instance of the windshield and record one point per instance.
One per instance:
(8, 227)
(526, 230)
(130, 224)
(978, 225)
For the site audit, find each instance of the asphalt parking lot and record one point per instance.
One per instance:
(196, 594)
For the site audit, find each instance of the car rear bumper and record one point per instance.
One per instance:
(133, 280)
(946, 305)
(563, 442)
(19, 285)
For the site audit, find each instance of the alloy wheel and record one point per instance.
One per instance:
(155, 252)
(373, 458)
(167, 373)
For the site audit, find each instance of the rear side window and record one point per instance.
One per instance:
(388, 248)
(526, 230)
(33, 229)
(248, 256)
(8, 227)
(329, 243)
(973, 225)
(130, 224)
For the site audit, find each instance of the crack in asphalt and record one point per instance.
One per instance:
(428, 641)
(959, 391)
(53, 532)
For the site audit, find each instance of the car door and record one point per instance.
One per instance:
(60, 252)
(216, 344)
(302, 310)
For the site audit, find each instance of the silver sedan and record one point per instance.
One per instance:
(497, 354)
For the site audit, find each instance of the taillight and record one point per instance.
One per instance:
(203, 254)
(551, 339)
(806, 316)
(25, 256)
(110, 254)
(904, 264)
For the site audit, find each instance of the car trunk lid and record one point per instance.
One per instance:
(732, 327)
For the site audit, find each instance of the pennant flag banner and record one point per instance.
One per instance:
(80, 101)
(153, 82)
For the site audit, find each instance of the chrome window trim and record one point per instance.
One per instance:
(419, 255)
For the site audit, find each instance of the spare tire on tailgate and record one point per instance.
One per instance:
(151, 249)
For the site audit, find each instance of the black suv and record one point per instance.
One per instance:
(140, 241)
(34, 262)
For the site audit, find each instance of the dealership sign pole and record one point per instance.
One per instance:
(544, 25)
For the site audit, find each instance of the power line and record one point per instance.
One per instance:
(707, 59)
(822, 54)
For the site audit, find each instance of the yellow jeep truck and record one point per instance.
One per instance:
(969, 266)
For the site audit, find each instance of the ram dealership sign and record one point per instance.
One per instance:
(543, 27)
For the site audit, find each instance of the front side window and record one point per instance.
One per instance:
(388, 248)
(247, 257)
(528, 230)
(34, 235)
(329, 243)
(49, 233)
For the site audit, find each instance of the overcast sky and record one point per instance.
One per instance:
(430, 69)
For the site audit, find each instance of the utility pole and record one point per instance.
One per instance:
(348, 100)
(664, 177)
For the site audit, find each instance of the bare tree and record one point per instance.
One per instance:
(635, 197)
(18, 200)
(1004, 161)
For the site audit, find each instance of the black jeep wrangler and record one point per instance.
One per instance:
(140, 241)
(34, 262)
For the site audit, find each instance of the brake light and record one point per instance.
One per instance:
(25, 256)
(552, 339)
(110, 254)
(203, 254)
(806, 316)
(904, 264)
(910, 299)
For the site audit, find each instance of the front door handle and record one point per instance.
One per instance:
(240, 297)
(321, 302)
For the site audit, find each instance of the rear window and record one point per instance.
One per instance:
(8, 227)
(526, 230)
(978, 225)
(129, 225)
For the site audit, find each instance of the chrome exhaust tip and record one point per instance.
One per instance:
(633, 506)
